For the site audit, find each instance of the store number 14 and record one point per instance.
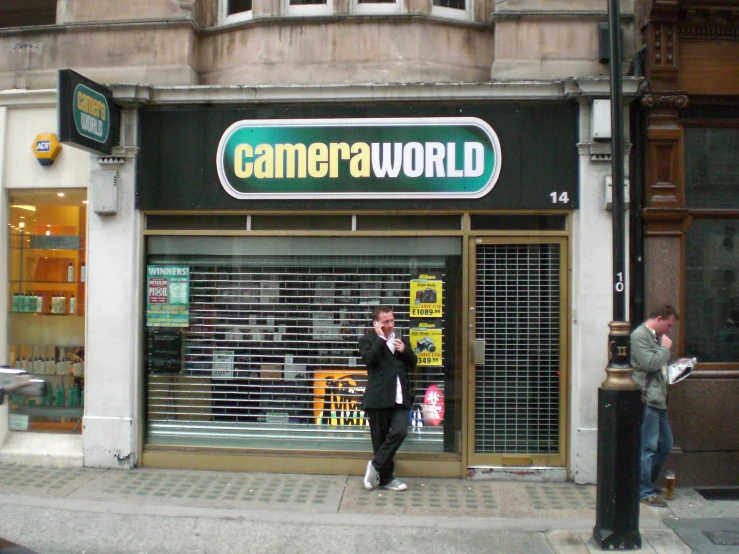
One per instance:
(559, 197)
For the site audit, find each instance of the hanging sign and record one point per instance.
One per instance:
(168, 296)
(444, 157)
(87, 117)
(426, 343)
(426, 296)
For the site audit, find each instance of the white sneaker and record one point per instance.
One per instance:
(371, 477)
(395, 485)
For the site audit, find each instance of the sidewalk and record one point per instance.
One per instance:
(59, 510)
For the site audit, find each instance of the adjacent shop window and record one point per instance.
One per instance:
(252, 341)
(233, 11)
(46, 324)
(712, 290)
(711, 168)
(712, 244)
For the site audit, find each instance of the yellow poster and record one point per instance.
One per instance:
(426, 343)
(337, 396)
(426, 297)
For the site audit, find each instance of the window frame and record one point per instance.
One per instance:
(310, 10)
(452, 13)
(371, 8)
(696, 214)
(234, 18)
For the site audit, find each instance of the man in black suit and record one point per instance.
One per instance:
(387, 400)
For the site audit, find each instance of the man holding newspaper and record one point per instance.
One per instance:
(650, 352)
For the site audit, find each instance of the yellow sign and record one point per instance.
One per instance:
(337, 396)
(427, 345)
(46, 148)
(426, 297)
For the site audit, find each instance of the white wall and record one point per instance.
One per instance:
(71, 168)
(113, 323)
(592, 302)
(3, 248)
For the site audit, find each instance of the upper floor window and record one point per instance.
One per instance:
(377, 6)
(233, 11)
(452, 9)
(309, 7)
(24, 13)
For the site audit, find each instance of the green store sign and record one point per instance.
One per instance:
(410, 158)
(91, 114)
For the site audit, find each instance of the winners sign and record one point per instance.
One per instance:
(457, 157)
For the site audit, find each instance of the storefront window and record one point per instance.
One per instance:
(712, 245)
(46, 324)
(711, 168)
(252, 341)
(712, 287)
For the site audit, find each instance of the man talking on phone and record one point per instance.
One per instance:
(387, 400)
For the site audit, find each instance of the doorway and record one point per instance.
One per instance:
(518, 365)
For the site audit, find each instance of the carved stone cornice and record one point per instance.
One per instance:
(665, 100)
(701, 21)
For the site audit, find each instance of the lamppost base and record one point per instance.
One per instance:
(617, 500)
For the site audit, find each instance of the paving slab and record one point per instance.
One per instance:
(51, 481)
(308, 513)
(217, 489)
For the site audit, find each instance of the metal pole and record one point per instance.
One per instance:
(619, 398)
(20, 286)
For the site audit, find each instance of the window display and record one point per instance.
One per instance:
(258, 348)
(46, 327)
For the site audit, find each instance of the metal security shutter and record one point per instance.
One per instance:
(517, 389)
(270, 357)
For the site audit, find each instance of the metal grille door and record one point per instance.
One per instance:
(518, 388)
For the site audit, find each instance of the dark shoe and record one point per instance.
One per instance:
(656, 501)
(371, 477)
(395, 485)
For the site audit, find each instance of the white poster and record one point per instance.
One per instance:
(223, 364)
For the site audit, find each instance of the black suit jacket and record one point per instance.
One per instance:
(383, 369)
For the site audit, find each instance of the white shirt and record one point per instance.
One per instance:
(398, 390)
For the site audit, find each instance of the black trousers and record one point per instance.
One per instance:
(388, 429)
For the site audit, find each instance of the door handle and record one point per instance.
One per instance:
(478, 351)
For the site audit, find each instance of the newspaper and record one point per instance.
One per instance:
(680, 370)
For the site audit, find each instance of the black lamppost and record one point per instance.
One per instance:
(619, 398)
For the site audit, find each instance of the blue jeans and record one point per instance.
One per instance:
(656, 443)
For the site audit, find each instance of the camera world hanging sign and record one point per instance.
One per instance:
(359, 158)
